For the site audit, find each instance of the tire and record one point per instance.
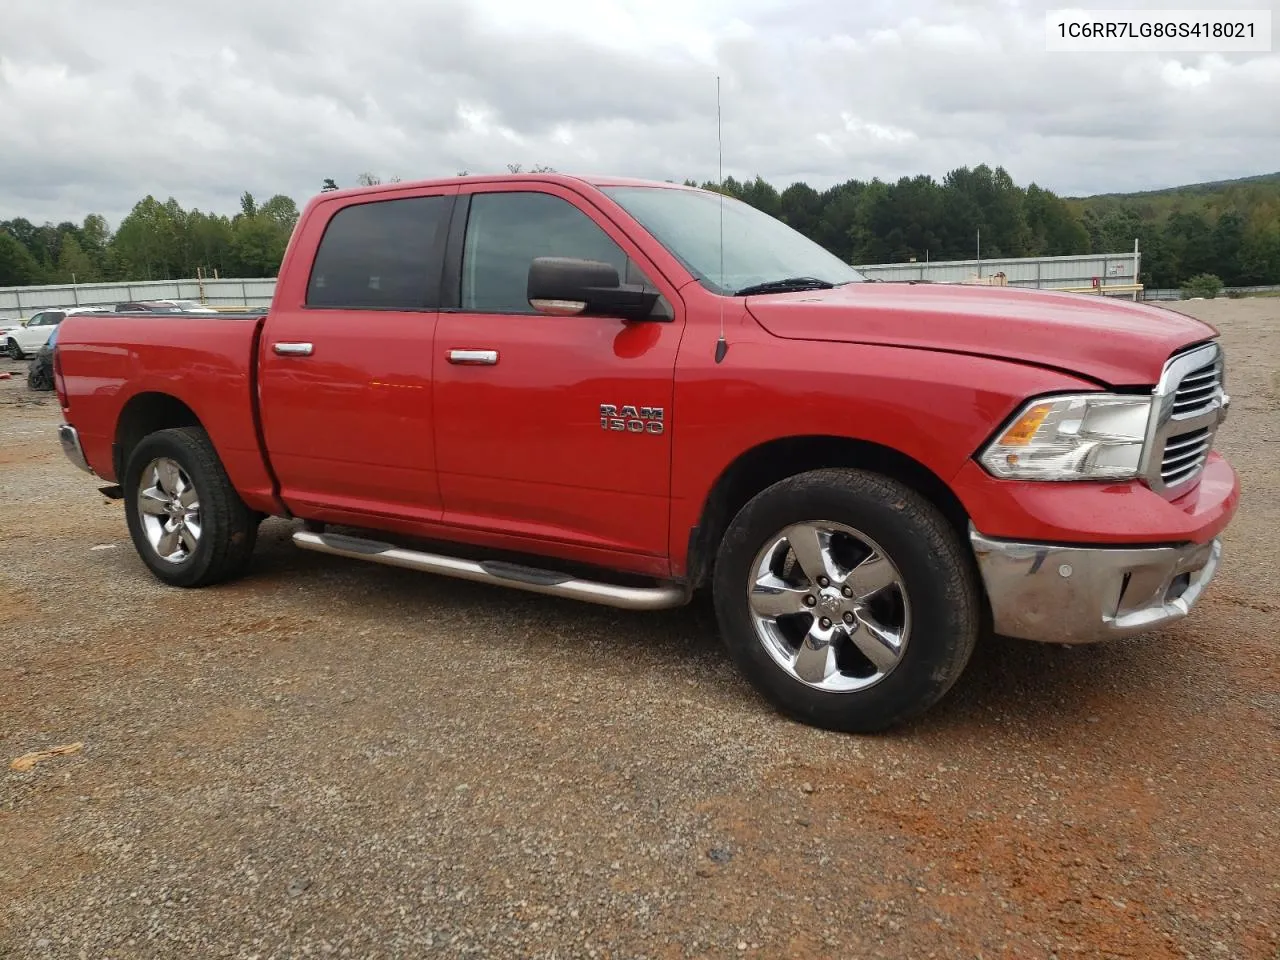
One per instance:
(40, 374)
(14, 351)
(226, 530)
(927, 595)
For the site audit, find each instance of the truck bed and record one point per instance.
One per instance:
(209, 363)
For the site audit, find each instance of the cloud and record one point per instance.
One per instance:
(101, 103)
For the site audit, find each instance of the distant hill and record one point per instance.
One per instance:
(1245, 196)
(1194, 189)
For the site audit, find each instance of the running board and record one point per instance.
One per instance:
(499, 573)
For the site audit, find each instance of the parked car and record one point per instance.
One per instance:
(192, 306)
(163, 306)
(599, 389)
(31, 336)
(6, 326)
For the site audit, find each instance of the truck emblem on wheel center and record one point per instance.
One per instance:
(631, 419)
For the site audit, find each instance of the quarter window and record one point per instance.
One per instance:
(382, 255)
(507, 231)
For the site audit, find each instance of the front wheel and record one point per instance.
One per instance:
(14, 351)
(187, 521)
(847, 599)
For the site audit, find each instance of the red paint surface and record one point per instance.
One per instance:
(377, 429)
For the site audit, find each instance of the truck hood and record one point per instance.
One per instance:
(1117, 342)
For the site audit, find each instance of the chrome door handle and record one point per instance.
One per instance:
(292, 349)
(485, 357)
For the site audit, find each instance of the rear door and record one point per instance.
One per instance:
(554, 428)
(345, 359)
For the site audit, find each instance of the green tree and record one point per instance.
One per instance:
(282, 211)
(74, 264)
(1190, 241)
(1260, 255)
(1055, 230)
(1228, 239)
(147, 241)
(17, 266)
(210, 237)
(800, 205)
(24, 231)
(1202, 285)
(761, 195)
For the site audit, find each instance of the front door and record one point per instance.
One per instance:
(551, 427)
(346, 362)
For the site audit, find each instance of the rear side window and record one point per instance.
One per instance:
(507, 231)
(383, 255)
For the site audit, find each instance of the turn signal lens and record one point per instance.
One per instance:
(1088, 436)
(1025, 427)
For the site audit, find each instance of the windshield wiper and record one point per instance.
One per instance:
(785, 285)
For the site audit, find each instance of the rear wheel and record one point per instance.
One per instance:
(847, 599)
(188, 524)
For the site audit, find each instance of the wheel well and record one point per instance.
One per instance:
(771, 462)
(143, 415)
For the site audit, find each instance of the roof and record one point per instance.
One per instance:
(564, 179)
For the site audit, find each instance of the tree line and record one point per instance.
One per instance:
(1231, 230)
(156, 241)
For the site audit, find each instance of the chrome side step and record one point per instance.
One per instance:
(499, 573)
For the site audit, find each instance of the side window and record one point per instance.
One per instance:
(36, 321)
(382, 255)
(53, 319)
(507, 231)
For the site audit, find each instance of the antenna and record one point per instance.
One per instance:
(722, 346)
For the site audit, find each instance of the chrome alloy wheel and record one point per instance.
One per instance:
(829, 606)
(169, 509)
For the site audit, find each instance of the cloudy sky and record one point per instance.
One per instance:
(105, 101)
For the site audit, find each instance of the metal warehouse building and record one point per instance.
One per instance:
(1112, 274)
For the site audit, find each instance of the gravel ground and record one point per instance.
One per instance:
(330, 758)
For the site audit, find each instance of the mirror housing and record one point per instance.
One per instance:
(566, 287)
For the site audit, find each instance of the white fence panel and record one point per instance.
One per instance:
(225, 292)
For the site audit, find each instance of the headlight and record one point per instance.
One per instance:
(1087, 436)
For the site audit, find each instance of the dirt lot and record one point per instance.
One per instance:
(336, 759)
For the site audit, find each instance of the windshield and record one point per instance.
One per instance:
(758, 248)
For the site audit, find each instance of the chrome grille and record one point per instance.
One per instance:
(1184, 455)
(1198, 389)
(1189, 404)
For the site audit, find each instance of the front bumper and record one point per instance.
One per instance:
(70, 440)
(1079, 594)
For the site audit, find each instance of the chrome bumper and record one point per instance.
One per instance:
(1066, 594)
(70, 441)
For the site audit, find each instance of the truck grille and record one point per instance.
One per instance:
(1190, 403)
(1184, 456)
(1198, 390)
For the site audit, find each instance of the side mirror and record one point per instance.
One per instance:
(566, 287)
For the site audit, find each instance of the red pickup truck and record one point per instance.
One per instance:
(624, 391)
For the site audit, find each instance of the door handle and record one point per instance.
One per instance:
(479, 357)
(292, 349)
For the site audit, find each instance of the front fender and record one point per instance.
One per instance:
(932, 407)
